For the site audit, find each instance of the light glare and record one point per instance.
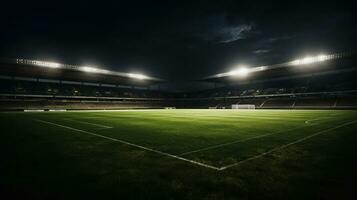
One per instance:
(261, 68)
(93, 69)
(321, 58)
(241, 72)
(137, 76)
(47, 64)
(309, 60)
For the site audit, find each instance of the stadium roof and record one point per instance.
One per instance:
(301, 65)
(53, 70)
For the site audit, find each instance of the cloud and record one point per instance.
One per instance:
(261, 51)
(231, 34)
(218, 29)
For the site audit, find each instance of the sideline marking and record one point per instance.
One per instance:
(287, 145)
(132, 144)
(82, 122)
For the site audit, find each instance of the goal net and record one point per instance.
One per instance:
(243, 106)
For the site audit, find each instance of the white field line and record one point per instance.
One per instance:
(273, 119)
(247, 139)
(287, 145)
(200, 163)
(133, 145)
(238, 141)
(264, 117)
(316, 119)
(82, 122)
(120, 110)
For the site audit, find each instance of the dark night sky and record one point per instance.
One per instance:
(175, 40)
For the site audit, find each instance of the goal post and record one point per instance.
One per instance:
(243, 106)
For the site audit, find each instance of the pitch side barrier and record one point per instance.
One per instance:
(175, 99)
(78, 97)
(276, 95)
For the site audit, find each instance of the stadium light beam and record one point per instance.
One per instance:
(137, 76)
(310, 60)
(93, 70)
(47, 64)
(240, 72)
(258, 69)
(322, 58)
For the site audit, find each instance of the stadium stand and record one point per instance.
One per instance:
(279, 103)
(24, 85)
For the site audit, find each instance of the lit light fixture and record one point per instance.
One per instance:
(240, 72)
(47, 64)
(322, 58)
(93, 70)
(137, 76)
(309, 60)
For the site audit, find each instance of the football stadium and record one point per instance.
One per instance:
(173, 100)
(279, 130)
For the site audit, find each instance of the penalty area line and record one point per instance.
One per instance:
(238, 141)
(287, 145)
(247, 139)
(133, 145)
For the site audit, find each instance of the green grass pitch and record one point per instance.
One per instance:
(179, 154)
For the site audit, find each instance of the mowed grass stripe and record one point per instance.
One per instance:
(288, 145)
(187, 140)
(191, 133)
(238, 141)
(132, 144)
(245, 160)
(252, 138)
(168, 138)
(49, 157)
(89, 123)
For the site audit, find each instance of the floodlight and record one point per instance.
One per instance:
(321, 58)
(47, 64)
(137, 76)
(310, 59)
(307, 60)
(93, 69)
(241, 72)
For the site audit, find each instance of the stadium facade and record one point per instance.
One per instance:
(323, 81)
